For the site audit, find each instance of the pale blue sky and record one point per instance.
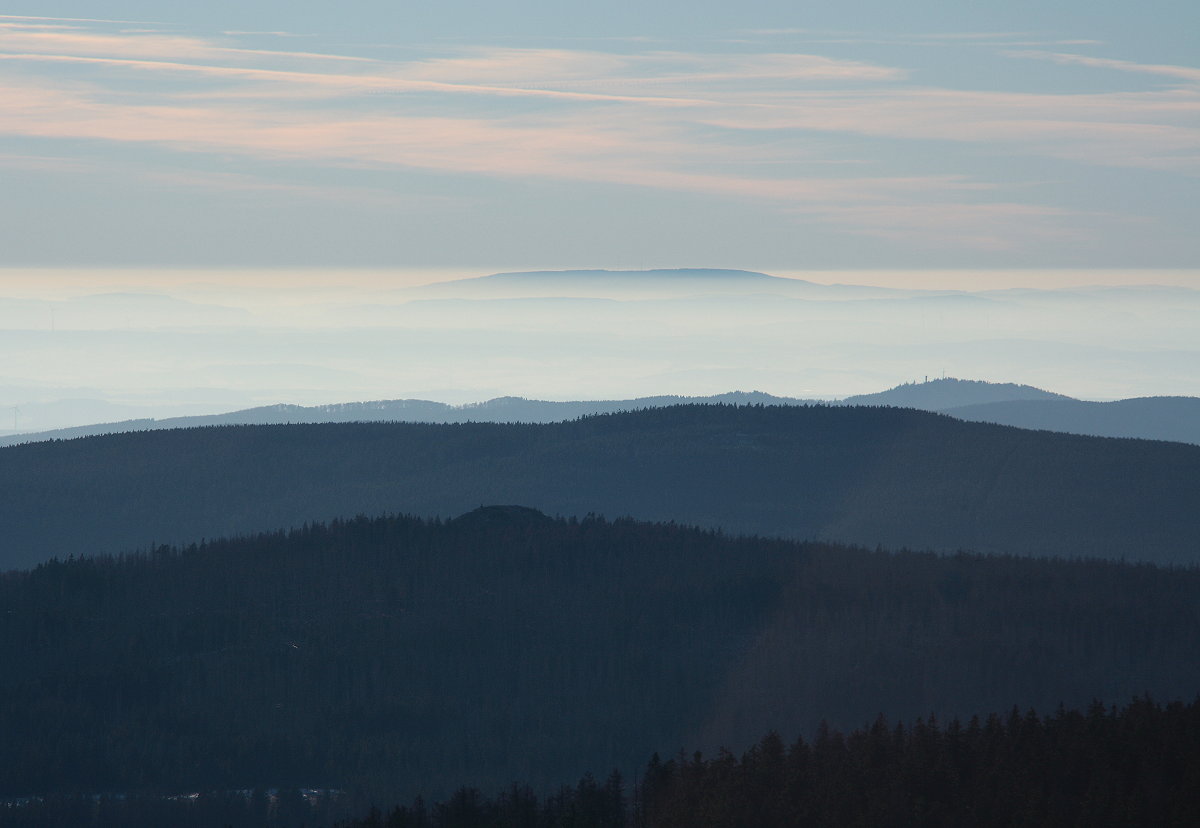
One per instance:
(764, 135)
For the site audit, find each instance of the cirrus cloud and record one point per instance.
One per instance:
(728, 125)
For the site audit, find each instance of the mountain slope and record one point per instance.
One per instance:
(1149, 418)
(943, 394)
(397, 656)
(867, 475)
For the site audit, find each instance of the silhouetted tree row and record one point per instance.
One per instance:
(1104, 767)
(393, 656)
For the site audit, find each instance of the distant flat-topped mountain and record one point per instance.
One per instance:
(864, 475)
(604, 283)
(942, 394)
(642, 284)
(631, 277)
(676, 273)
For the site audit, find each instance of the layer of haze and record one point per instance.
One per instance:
(156, 343)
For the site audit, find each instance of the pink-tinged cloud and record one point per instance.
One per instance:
(1149, 129)
(559, 67)
(982, 39)
(697, 123)
(277, 33)
(1089, 128)
(563, 149)
(74, 19)
(1187, 73)
(147, 44)
(358, 83)
(533, 71)
(9, 27)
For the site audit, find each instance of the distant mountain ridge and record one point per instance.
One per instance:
(498, 410)
(951, 392)
(1023, 406)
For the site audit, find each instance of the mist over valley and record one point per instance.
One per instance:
(574, 336)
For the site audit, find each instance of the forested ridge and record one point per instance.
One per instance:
(862, 475)
(395, 656)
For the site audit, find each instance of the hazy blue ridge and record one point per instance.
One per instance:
(498, 410)
(1151, 418)
(943, 394)
(869, 475)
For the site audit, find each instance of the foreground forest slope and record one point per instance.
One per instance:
(398, 656)
(865, 475)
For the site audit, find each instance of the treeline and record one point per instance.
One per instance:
(393, 656)
(1136, 766)
(1139, 765)
(1100, 768)
(856, 475)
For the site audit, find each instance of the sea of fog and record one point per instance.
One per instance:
(83, 346)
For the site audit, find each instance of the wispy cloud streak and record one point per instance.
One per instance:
(732, 125)
(1186, 73)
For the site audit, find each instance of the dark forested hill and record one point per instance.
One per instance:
(402, 656)
(864, 475)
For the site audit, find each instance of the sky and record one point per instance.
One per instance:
(210, 206)
(486, 136)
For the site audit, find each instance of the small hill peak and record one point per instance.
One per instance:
(951, 392)
(497, 516)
